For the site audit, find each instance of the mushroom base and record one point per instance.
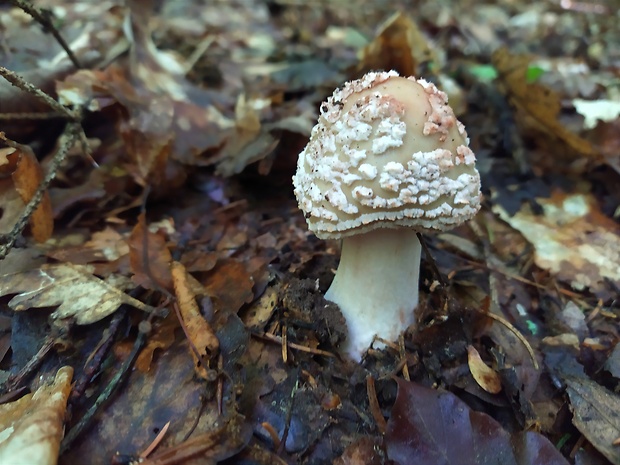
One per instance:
(376, 286)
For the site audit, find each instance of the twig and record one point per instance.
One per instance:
(155, 441)
(72, 133)
(403, 356)
(30, 116)
(289, 415)
(115, 382)
(32, 365)
(44, 21)
(373, 402)
(19, 82)
(292, 345)
(516, 332)
(95, 360)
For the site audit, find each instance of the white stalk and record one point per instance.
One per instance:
(376, 286)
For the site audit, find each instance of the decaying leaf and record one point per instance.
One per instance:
(76, 291)
(161, 338)
(27, 176)
(149, 257)
(399, 45)
(32, 427)
(487, 378)
(539, 105)
(230, 285)
(573, 239)
(436, 427)
(198, 330)
(596, 414)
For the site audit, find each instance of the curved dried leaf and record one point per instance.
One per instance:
(27, 177)
(485, 376)
(198, 330)
(32, 427)
(76, 291)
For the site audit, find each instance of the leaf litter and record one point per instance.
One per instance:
(195, 117)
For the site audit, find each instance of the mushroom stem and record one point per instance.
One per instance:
(376, 286)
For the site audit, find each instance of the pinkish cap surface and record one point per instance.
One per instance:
(387, 152)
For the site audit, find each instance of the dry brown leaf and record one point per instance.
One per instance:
(27, 177)
(12, 205)
(162, 337)
(198, 330)
(485, 376)
(230, 285)
(573, 239)
(399, 45)
(261, 311)
(149, 257)
(76, 291)
(32, 427)
(539, 105)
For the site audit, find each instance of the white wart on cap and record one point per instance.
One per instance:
(386, 154)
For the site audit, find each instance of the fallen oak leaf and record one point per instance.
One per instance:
(76, 291)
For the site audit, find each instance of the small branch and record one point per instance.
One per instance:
(30, 116)
(115, 382)
(19, 82)
(35, 362)
(71, 133)
(48, 26)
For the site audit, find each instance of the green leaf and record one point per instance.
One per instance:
(533, 73)
(484, 73)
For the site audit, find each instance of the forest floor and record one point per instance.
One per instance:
(163, 302)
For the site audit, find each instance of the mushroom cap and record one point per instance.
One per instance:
(387, 152)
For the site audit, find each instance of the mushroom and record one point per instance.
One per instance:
(387, 159)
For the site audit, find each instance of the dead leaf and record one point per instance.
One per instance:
(596, 414)
(435, 427)
(32, 427)
(197, 329)
(399, 45)
(149, 257)
(540, 106)
(487, 378)
(230, 284)
(27, 177)
(257, 315)
(76, 291)
(362, 452)
(573, 239)
(162, 337)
